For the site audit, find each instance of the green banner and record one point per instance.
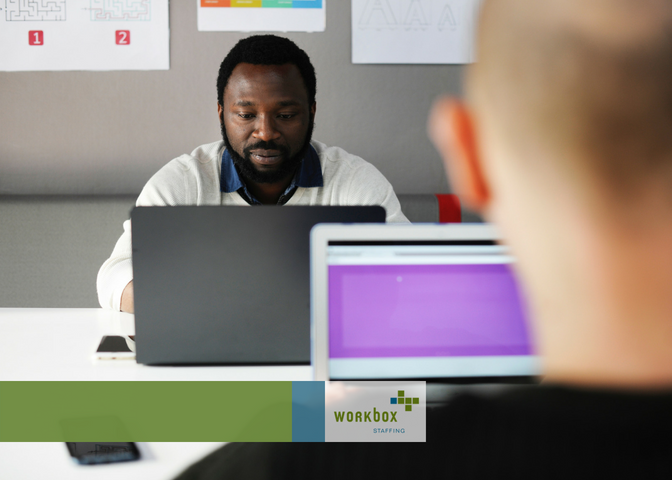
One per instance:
(145, 411)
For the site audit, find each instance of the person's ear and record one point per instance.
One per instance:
(313, 109)
(220, 109)
(453, 132)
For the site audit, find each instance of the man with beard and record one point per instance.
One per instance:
(266, 106)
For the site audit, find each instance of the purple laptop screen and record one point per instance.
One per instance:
(425, 311)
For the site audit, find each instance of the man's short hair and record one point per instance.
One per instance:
(589, 82)
(267, 50)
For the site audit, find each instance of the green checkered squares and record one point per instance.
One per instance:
(408, 402)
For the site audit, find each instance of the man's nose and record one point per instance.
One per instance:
(265, 128)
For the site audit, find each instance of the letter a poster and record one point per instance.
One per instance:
(262, 15)
(413, 31)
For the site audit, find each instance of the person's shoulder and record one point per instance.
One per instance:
(208, 152)
(337, 165)
(333, 158)
(351, 180)
(203, 155)
(178, 180)
(563, 409)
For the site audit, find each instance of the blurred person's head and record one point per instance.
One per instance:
(564, 141)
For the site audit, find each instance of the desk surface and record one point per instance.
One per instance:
(42, 344)
(57, 344)
(159, 461)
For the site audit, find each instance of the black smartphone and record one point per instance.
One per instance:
(95, 453)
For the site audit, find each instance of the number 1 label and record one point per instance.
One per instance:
(35, 37)
(123, 37)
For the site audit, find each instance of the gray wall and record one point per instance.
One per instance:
(51, 247)
(90, 133)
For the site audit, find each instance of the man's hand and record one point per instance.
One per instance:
(127, 304)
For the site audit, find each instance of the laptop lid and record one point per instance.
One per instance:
(425, 302)
(226, 285)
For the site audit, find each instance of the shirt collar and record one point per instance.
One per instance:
(309, 174)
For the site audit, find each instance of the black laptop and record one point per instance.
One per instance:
(227, 285)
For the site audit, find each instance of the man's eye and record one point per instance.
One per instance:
(246, 116)
(286, 116)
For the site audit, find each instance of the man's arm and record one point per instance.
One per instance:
(127, 299)
(167, 187)
(116, 272)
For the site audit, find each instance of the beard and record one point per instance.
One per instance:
(288, 167)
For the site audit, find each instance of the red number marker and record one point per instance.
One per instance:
(35, 37)
(123, 37)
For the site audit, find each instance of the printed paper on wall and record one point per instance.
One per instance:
(413, 31)
(84, 35)
(262, 15)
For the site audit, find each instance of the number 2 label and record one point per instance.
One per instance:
(123, 37)
(35, 37)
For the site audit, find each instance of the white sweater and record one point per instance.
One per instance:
(195, 180)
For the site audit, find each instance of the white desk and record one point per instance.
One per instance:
(159, 461)
(57, 344)
(42, 344)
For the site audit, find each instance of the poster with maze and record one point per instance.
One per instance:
(413, 31)
(262, 15)
(84, 35)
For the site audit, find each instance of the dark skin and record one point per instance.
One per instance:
(261, 102)
(266, 103)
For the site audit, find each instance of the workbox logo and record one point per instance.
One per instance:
(374, 412)
(376, 416)
(357, 416)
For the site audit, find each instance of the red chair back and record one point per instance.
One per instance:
(450, 210)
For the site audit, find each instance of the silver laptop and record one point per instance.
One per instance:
(426, 302)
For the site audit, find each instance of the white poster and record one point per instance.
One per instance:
(262, 15)
(413, 31)
(84, 35)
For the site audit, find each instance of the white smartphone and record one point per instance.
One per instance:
(116, 347)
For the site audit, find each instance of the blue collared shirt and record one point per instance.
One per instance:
(308, 175)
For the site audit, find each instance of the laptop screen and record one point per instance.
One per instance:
(425, 309)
